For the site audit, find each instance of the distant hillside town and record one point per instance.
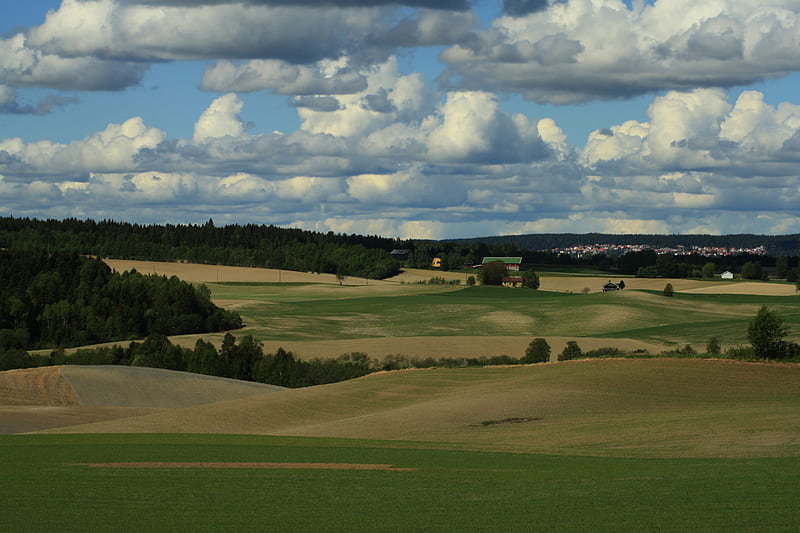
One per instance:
(583, 250)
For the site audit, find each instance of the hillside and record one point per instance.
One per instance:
(656, 407)
(39, 398)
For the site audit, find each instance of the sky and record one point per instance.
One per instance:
(410, 118)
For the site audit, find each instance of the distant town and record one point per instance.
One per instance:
(582, 250)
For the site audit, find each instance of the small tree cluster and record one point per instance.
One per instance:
(492, 273)
(538, 351)
(570, 351)
(766, 333)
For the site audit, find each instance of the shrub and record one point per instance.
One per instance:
(713, 347)
(606, 351)
(530, 279)
(668, 290)
(740, 352)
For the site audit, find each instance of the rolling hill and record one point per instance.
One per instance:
(618, 407)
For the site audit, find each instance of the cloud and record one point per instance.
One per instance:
(600, 49)
(399, 159)
(407, 187)
(24, 66)
(700, 129)
(220, 119)
(112, 150)
(10, 105)
(108, 30)
(519, 8)
(458, 5)
(474, 129)
(323, 77)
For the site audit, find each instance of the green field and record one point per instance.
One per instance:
(307, 312)
(448, 490)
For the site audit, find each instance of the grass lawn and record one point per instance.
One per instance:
(448, 490)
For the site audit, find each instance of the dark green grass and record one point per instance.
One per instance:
(451, 490)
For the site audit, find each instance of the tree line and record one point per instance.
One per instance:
(237, 245)
(370, 256)
(50, 299)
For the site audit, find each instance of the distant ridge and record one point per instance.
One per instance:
(775, 244)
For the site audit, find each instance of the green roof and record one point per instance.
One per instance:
(506, 260)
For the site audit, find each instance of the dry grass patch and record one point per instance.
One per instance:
(287, 466)
(36, 386)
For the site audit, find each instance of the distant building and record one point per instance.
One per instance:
(437, 262)
(400, 254)
(610, 286)
(512, 263)
(727, 275)
(512, 281)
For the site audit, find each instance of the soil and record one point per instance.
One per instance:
(290, 466)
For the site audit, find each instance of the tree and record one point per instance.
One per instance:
(492, 273)
(470, 281)
(538, 351)
(621, 284)
(782, 266)
(713, 347)
(530, 279)
(570, 351)
(666, 266)
(766, 333)
(668, 290)
(340, 274)
(709, 269)
(752, 270)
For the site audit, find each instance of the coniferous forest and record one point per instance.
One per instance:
(249, 245)
(50, 299)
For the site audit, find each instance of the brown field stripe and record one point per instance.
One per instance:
(314, 466)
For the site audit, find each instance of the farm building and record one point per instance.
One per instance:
(512, 263)
(727, 275)
(400, 254)
(437, 262)
(610, 286)
(512, 281)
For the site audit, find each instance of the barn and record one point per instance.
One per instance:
(512, 263)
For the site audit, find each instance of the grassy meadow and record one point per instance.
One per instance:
(315, 312)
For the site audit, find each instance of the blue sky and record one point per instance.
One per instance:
(421, 118)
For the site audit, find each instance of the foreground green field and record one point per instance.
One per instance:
(429, 489)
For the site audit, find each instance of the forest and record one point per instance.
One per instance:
(367, 256)
(51, 299)
(249, 245)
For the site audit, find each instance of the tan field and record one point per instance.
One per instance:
(37, 398)
(638, 407)
(213, 273)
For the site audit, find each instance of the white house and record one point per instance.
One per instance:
(727, 275)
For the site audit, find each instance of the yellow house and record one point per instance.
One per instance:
(437, 262)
